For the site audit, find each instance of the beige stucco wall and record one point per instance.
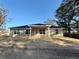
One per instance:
(34, 31)
(53, 32)
(22, 32)
(37, 31)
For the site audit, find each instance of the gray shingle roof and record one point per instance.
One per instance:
(52, 26)
(39, 24)
(20, 27)
(26, 26)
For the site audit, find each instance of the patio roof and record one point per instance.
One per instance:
(38, 24)
(52, 26)
(20, 27)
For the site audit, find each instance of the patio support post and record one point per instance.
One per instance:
(48, 32)
(30, 31)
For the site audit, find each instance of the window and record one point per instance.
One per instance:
(16, 32)
(42, 31)
(27, 31)
(56, 31)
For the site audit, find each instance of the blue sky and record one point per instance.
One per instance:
(24, 12)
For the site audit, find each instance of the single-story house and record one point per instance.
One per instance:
(33, 29)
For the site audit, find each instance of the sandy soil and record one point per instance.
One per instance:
(39, 50)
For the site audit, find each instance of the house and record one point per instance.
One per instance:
(33, 29)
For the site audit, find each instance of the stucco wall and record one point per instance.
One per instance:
(53, 32)
(34, 31)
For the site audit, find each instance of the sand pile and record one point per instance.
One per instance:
(40, 37)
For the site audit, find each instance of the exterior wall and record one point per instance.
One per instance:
(48, 31)
(34, 31)
(53, 32)
(60, 32)
(12, 32)
(21, 32)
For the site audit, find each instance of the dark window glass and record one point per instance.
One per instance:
(42, 31)
(15, 32)
(27, 31)
(56, 31)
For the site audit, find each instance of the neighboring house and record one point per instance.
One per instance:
(33, 29)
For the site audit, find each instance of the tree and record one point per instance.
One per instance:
(3, 15)
(50, 21)
(66, 13)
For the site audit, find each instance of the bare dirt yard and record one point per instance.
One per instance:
(39, 49)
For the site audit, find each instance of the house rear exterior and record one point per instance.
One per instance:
(33, 29)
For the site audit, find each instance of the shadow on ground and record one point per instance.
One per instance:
(39, 50)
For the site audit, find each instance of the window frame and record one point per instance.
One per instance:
(42, 31)
(27, 31)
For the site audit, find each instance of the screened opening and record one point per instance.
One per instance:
(42, 31)
(27, 31)
(16, 32)
(56, 31)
